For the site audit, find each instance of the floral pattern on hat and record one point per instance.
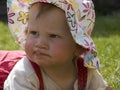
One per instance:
(80, 16)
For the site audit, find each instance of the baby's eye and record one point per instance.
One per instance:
(54, 36)
(34, 33)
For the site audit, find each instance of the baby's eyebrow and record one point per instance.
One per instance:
(32, 29)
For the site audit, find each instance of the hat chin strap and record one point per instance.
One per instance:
(82, 74)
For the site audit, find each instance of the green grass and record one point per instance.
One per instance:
(106, 36)
(6, 40)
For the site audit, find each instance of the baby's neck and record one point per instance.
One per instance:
(64, 76)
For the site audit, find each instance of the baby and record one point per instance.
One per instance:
(60, 55)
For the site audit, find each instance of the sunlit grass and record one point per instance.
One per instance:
(106, 36)
(6, 40)
(109, 54)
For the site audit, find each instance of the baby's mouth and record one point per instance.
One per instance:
(40, 54)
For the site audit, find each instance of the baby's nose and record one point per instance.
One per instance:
(42, 43)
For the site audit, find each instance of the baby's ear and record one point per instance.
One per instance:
(79, 50)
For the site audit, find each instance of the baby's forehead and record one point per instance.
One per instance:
(53, 18)
(42, 5)
(41, 8)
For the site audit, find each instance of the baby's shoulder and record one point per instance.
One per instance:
(93, 72)
(22, 75)
(95, 79)
(23, 67)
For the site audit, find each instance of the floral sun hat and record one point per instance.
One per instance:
(80, 17)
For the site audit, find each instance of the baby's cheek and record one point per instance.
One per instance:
(28, 45)
(59, 50)
(28, 49)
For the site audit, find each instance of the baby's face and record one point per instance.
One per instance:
(49, 41)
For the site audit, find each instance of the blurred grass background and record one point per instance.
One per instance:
(106, 36)
(6, 40)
